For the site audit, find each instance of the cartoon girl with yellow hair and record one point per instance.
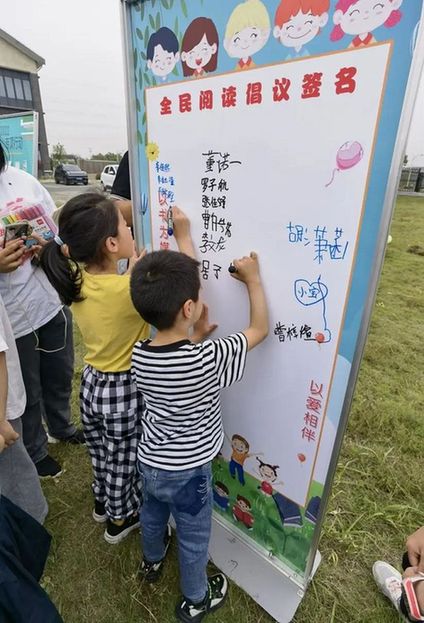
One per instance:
(247, 32)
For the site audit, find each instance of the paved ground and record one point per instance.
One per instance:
(62, 193)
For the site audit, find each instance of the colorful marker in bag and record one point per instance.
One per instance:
(170, 222)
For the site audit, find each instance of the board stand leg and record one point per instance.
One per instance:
(278, 590)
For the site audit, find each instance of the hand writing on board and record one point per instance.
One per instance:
(202, 328)
(181, 223)
(247, 269)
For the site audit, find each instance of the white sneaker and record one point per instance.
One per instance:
(389, 581)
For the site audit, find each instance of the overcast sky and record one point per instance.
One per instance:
(82, 83)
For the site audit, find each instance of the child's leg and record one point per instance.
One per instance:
(192, 511)
(121, 430)
(93, 433)
(154, 517)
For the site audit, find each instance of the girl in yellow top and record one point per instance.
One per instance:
(82, 265)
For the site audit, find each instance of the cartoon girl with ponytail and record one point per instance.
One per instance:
(361, 17)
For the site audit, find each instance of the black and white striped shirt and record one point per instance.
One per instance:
(181, 383)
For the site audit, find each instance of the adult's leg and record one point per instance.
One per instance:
(34, 435)
(19, 480)
(56, 372)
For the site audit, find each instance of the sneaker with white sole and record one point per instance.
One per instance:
(389, 581)
(48, 467)
(76, 439)
(117, 530)
(99, 512)
(151, 571)
(187, 611)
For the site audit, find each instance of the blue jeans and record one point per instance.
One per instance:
(188, 496)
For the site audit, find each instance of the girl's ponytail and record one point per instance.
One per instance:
(63, 273)
(85, 223)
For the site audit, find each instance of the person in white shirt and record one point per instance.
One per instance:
(41, 325)
(18, 477)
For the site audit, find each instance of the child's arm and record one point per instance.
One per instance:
(7, 433)
(247, 270)
(182, 232)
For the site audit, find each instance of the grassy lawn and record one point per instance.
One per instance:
(377, 497)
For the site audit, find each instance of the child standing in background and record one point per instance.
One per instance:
(82, 265)
(181, 380)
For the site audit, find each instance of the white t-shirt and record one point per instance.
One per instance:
(29, 298)
(16, 398)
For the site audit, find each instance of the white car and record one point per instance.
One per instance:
(108, 177)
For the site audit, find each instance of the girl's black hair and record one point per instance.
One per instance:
(85, 223)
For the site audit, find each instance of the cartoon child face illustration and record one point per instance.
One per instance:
(297, 22)
(239, 444)
(162, 52)
(268, 472)
(362, 17)
(247, 31)
(199, 48)
(221, 489)
(243, 504)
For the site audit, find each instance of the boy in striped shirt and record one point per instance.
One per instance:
(180, 378)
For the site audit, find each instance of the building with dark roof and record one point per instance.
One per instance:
(20, 89)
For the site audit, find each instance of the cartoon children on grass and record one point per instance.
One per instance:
(297, 22)
(162, 52)
(361, 17)
(247, 32)
(199, 48)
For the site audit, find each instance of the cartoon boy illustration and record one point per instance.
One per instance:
(199, 48)
(362, 17)
(297, 22)
(221, 495)
(247, 32)
(240, 447)
(242, 512)
(162, 52)
(269, 476)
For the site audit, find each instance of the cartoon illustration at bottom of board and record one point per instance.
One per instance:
(242, 512)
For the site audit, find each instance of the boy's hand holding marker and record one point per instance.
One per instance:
(246, 268)
(180, 225)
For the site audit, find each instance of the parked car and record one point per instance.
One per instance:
(108, 177)
(70, 174)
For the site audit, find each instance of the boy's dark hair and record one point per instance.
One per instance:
(3, 160)
(164, 37)
(161, 282)
(85, 223)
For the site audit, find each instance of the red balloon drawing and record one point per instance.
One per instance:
(301, 457)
